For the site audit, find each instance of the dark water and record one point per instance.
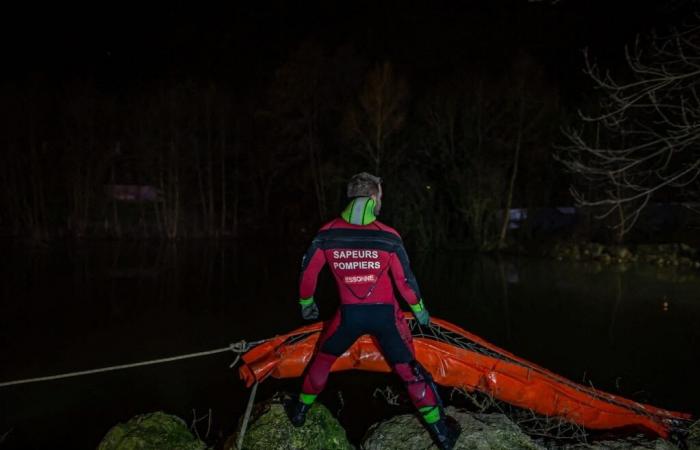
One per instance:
(76, 307)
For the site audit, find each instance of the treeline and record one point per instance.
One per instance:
(271, 159)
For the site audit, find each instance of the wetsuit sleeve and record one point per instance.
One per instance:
(403, 276)
(311, 265)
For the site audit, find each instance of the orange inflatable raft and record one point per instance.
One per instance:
(457, 358)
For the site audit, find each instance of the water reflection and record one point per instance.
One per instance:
(578, 318)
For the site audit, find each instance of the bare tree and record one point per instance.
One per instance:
(479, 130)
(379, 114)
(462, 120)
(649, 124)
(298, 102)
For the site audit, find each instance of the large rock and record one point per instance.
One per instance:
(269, 429)
(492, 431)
(479, 431)
(632, 443)
(150, 432)
(694, 436)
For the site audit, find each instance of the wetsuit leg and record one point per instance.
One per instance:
(343, 331)
(419, 384)
(385, 325)
(398, 351)
(317, 374)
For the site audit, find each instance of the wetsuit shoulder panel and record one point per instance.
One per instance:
(384, 227)
(343, 237)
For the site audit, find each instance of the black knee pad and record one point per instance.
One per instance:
(419, 371)
(422, 375)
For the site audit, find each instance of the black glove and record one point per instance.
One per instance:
(309, 309)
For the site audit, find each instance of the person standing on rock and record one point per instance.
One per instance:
(362, 254)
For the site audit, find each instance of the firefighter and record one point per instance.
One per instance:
(364, 255)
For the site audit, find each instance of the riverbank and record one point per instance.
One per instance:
(269, 429)
(660, 255)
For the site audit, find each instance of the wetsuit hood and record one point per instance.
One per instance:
(360, 211)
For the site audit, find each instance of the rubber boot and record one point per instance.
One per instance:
(296, 411)
(445, 432)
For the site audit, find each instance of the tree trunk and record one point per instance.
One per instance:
(316, 172)
(115, 210)
(513, 176)
(222, 173)
(210, 171)
(200, 185)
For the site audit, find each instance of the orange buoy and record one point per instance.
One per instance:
(457, 358)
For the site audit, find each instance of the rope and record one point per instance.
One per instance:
(237, 347)
(248, 410)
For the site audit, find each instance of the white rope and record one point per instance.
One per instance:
(237, 347)
(248, 410)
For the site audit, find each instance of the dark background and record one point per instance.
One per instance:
(245, 41)
(248, 105)
(240, 119)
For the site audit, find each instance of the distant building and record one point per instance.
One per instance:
(544, 219)
(133, 193)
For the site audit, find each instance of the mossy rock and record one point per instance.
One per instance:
(270, 429)
(479, 432)
(620, 252)
(694, 436)
(638, 442)
(595, 250)
(154, 431)
(688, 250)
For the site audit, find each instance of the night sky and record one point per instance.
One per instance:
(283, 79)
(118, 45)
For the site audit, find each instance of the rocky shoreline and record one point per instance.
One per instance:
(269, 429)
(660, 255)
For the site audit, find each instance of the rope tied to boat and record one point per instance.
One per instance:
(238, 348)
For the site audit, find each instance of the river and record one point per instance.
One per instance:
(65, 307)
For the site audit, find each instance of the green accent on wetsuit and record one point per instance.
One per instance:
(418, 307)
(306, 301)
(431, 414)
(307, 399)
(360, 211)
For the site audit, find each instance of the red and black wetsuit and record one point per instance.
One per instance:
(362, 259)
